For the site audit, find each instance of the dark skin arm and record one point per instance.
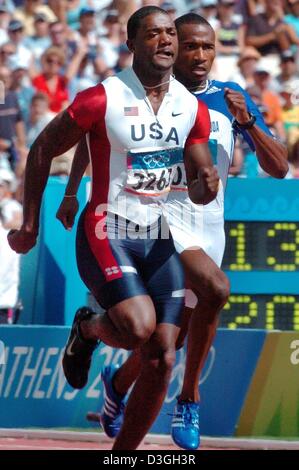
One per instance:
(79, 165)
(69, 206)
(202, 176)
(61, 134)
(271, 154)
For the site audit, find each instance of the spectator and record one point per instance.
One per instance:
(145, 3)
(124, 58)
(40, 40)
(110, 43)
(27, 12)
(12, 130)
(9, 276)
(228, 31)
(73, 10)
(292, 17)
(10, 209)
(288, 72)
(208, 9)
(50, 81)
(229, 39)
(247, 64)
(39, 116)
(170, 8)
(22, 53)
(290, 114)
(87, 32)
(59, 38)
(269, 34)
(4, 20)
(83, 70)
(125, 8)
(270, 100)
(7, 50)
(21, 85)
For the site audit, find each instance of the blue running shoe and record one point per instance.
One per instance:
(112, 414)
(185, 425)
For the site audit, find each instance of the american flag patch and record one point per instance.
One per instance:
(131, 111)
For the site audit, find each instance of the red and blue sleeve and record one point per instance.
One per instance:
(200, 132)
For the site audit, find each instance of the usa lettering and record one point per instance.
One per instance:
(155, 132)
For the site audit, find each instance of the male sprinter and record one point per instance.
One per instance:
(231, 111)
(136, 121)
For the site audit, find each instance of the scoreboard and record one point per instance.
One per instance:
(263, 246)
(262, 254)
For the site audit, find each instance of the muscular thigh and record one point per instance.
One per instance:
(107, 267)
(165, 281)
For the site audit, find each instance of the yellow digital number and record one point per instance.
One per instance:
(292, 246)
(239, 234)
(249, 314)
(281, 300)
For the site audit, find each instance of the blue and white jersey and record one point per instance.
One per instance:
(197, 226)
(222, 136)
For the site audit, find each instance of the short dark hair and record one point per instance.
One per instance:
(191, 18)
(135, 19)
(40, 96)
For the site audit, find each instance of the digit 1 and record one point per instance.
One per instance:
(239, 234)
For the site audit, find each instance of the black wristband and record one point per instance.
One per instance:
(247, 125)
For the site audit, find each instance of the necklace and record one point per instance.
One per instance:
(159, 84)
(199, 87)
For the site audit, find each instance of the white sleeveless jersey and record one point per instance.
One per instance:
(134, 153)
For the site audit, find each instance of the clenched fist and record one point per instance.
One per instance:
(21, 241)
(205, 188)
(236, 104)
(67, 212)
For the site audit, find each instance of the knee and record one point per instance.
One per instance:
(139, 333)
(216, 292)
(161, 363)
(137, 329)
(220, 291)
(168, 360)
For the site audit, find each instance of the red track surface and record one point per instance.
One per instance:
(10, 443)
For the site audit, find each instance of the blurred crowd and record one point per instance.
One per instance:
(50, 50)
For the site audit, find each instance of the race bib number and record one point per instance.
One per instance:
(151, 173)
(179, 181)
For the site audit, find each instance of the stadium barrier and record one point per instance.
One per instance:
(249, 385)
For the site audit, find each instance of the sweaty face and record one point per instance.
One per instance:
(196, 53)
(155, 44)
